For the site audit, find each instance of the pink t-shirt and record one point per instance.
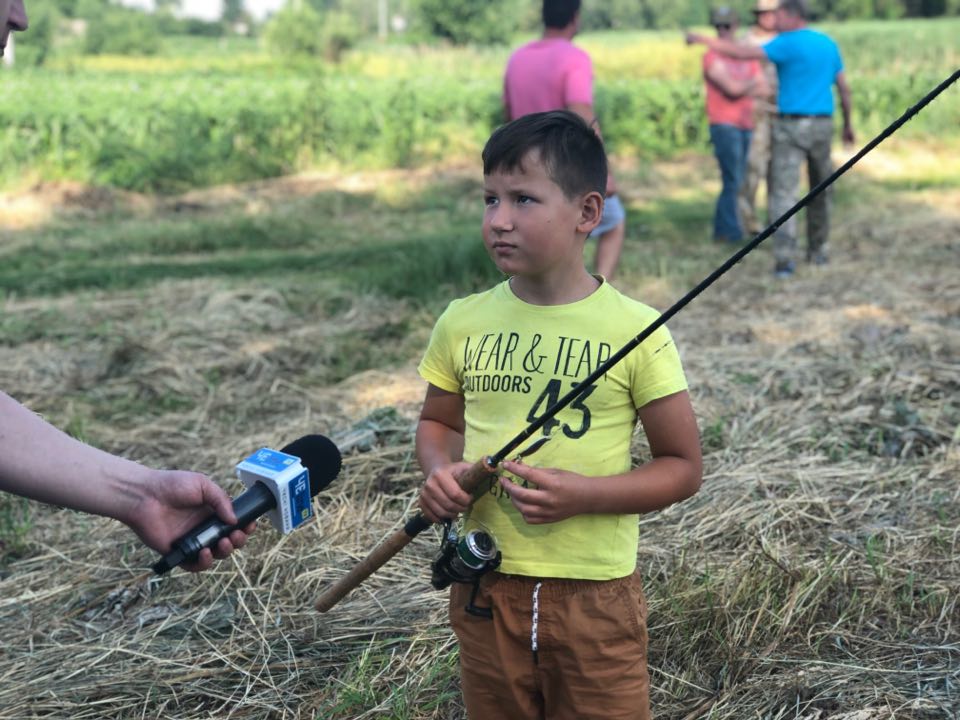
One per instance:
(724, 110)
(547, 74)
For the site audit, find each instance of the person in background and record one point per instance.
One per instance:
(731, 84)
(808, 65)
(40, 462)
(763, 29)
(13, 18)
(553, 74)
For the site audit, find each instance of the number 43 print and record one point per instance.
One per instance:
(549, 397)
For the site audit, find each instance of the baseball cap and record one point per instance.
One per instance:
(723, 15)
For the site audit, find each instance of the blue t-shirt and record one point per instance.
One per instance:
(807, 65)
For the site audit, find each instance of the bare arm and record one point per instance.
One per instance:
(761, 87)
(40, 462)
(718, 75)
(846, 106)
(440, 439)
(673, 474)
(728, 47)
(586, 112)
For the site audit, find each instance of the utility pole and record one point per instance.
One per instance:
(382, 24)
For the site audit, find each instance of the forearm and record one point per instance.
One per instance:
(40, 462)
(846, 106)
(658, 484)
(437, 444)
(589, 116)
(731, 87)
(731, 49)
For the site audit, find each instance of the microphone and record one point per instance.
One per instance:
(276, 481)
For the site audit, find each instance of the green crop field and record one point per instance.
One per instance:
(168, 124)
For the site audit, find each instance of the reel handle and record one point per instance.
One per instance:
(469, 481)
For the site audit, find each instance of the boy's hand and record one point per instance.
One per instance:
(442, 498)
(559, 494)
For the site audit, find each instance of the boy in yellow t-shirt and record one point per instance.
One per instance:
(567, 638)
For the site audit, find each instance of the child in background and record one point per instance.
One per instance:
(568, 634)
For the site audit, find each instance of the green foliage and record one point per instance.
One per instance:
(654, 14)
(121, 31)
(178, 129)
(340, 33)
(399, 242)
(295, 32)
(15, 522)
(34, 47)
(490, 22)
(302, 32)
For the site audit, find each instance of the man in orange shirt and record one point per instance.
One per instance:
(731, 85)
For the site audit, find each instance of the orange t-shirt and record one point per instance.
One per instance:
(722, 109)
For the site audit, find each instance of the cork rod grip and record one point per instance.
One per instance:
(469, 481)
(364, 569)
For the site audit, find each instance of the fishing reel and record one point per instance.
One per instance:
(465, 560)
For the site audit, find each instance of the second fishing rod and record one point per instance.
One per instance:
(486, 468)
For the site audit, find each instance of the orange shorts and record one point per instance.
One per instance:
(554, 649)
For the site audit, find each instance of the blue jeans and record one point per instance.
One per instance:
(731, 145)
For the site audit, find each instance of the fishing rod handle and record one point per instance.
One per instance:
(469, 481)
(370, 564)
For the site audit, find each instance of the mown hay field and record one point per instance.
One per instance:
(814, 575)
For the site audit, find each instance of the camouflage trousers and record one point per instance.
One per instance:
(796, 140)
(758, 169)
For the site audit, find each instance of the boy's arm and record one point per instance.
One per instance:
(440, 453)
(673, 474)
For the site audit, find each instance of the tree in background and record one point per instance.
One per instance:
(462, 22)
(120, 31)
(34, 47)
(650, 14)
(300, 31)
(294, 32)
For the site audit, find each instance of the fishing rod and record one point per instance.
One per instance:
(486, 467)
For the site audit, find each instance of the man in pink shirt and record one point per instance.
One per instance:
(553, 74)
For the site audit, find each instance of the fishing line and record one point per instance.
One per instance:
(486, 467)
(581, 387)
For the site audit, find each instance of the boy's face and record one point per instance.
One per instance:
(530, 227)
(13, 16)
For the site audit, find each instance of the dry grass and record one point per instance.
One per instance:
(814, 576)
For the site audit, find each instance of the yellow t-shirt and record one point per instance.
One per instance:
(511, 361)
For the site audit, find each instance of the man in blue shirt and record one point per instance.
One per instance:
(808, 66)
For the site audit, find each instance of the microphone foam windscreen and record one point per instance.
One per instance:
(320, 456)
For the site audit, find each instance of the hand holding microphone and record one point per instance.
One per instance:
(279, 483)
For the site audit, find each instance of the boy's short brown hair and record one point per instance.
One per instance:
(571, 152)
